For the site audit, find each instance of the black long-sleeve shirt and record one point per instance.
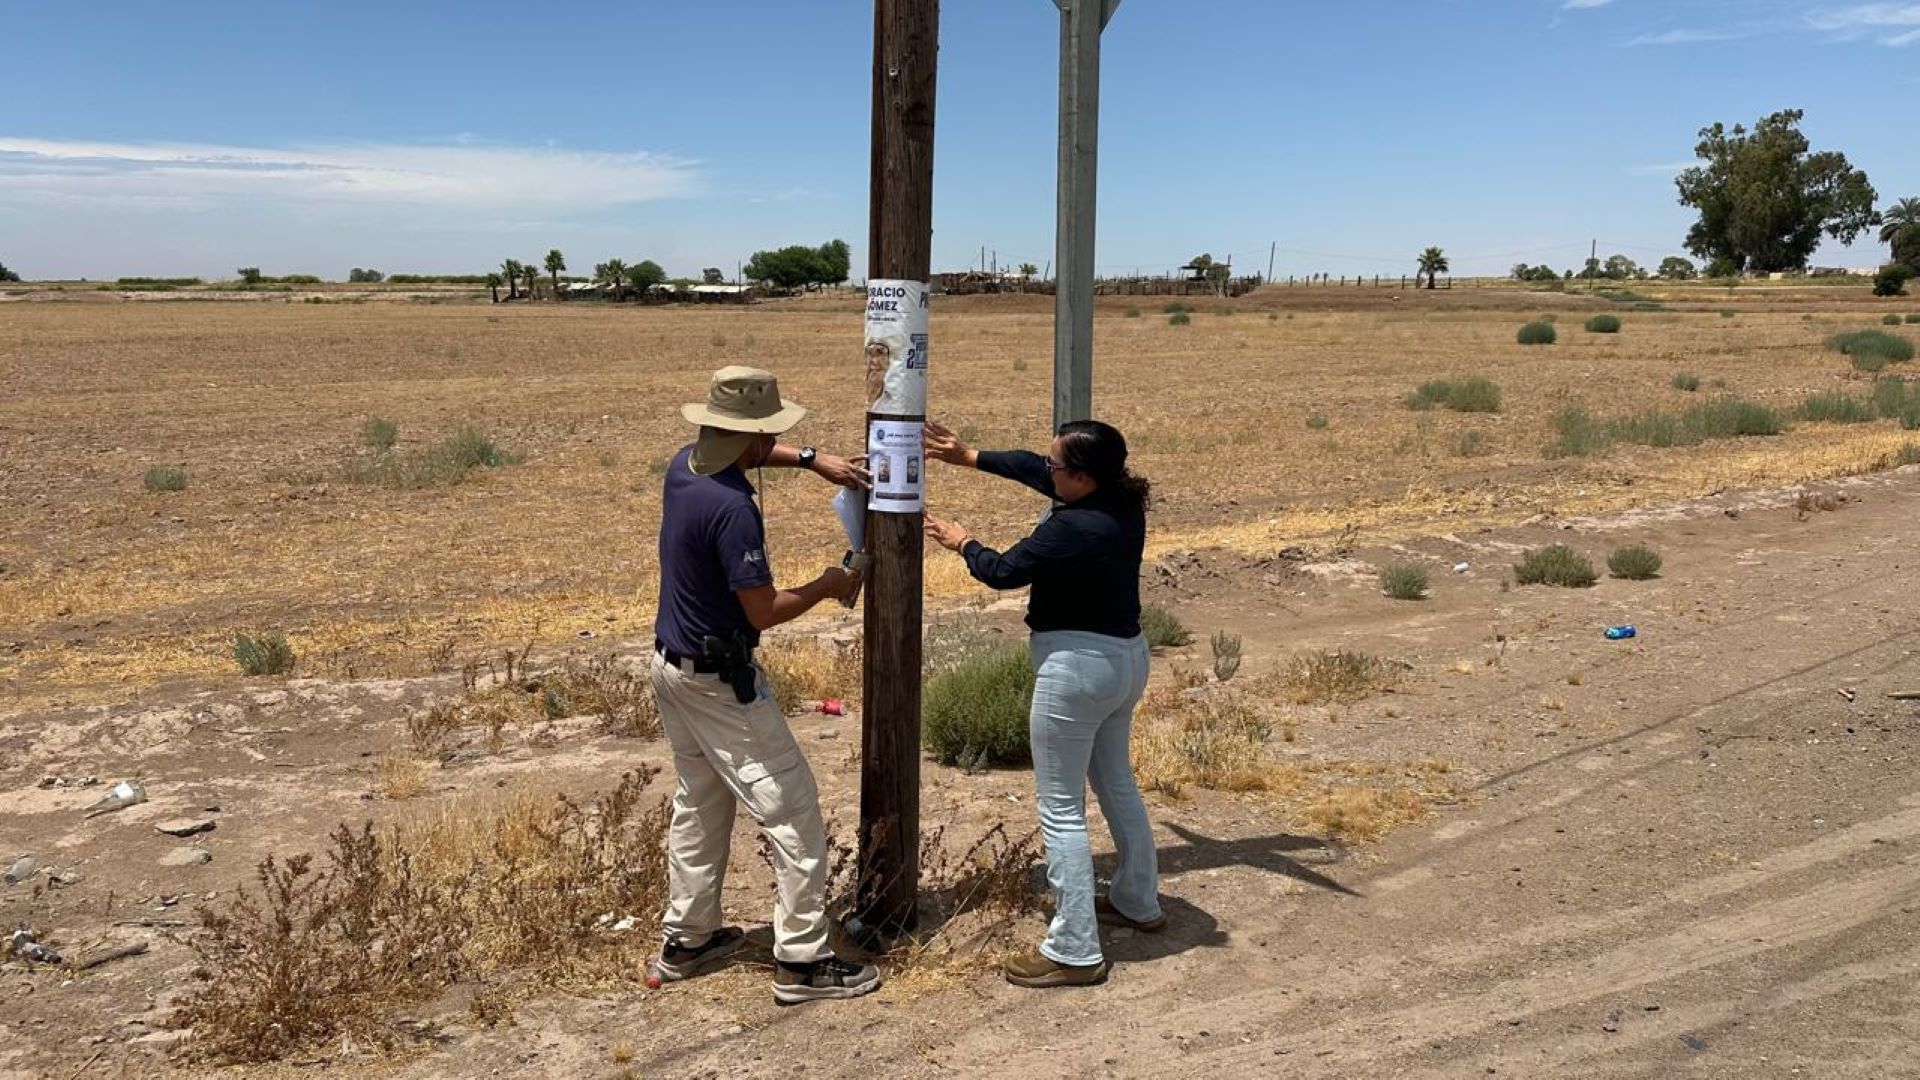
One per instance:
(1083, 561)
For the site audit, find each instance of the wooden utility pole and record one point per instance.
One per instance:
(906, 37)
(1080, 24)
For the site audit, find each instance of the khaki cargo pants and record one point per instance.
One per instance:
(728, 753)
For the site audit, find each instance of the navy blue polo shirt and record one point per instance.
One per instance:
(712, 542)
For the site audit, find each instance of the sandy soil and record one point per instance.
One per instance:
(1693, 853)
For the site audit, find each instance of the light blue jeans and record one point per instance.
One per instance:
(1085, 688)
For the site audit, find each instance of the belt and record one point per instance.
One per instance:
(684, 662)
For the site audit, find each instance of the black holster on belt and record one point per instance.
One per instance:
(732, 659)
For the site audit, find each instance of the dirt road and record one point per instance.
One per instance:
(1696, 853)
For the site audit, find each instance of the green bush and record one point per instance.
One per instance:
(1834, 407)
(379, 433)
(1890, 320)
(1858, 343)
(1687, 381)
(266, 654)
(1404, 581)
(1727, 418)
(1871, 363)
(1175, 307)
(1162, 629)
(1914, 319)
(1728, 313)
(1891, 280)
(974, 714)
(1475, 395)
(1637, 562)
(1556, 564)
(1538, 332)
(1133, 313)
(1893, 398)
(1317, 421)
(1179, 318)
(165, 478)
(1655, 428)
(1468, 395)
(447, 462)
(1603, 324)
(1577, 434)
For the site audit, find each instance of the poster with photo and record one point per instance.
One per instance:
(895, 346)
(894, 457)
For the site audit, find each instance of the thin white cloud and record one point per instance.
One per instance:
(1871, 20)
(1689, 36)
(465, 175)
(1577, 5)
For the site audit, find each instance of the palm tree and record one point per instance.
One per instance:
(1900, 217)
(612, 272)
(510, 269)
(1432, 262)
(556, 262)
(493, 282)
(531, 271)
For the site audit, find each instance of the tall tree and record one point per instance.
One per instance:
(1675, 268)
(1029, 270)
(556, 262)
(493, 283)
(1764, 199)
(6, 274)
(1900, 229)
(531, 270)
(799, 266)
(510, 269)
(613, 274)
(712, 276)
(1432, 262)
(645, 274)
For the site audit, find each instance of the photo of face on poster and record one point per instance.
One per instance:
(883, 469)
(913, 469)
(893, 453)
(894, 347)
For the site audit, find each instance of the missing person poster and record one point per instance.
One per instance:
(895, 457)
(895, 346)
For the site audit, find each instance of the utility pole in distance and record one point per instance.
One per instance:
(1080, 24)
(906, 36)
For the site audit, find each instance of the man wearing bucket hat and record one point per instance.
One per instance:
(731, 744)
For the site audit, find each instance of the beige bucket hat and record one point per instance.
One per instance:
(741, 402)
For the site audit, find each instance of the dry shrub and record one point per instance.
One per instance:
(430, 730)
(1341, 676)
(977, 905)
(401, 777)
(1207, 740)
(394, 915)
(605, 687)
(801, 670)
(1357, 813)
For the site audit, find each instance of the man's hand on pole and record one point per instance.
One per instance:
(846, 472)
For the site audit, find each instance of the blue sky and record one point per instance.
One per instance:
(143, 138)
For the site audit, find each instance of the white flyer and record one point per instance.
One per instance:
(896, 458)
(853, 518)
(895, 347)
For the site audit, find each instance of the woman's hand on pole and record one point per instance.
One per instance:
(944, 445)
(946, 533)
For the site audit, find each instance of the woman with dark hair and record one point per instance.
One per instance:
(1090, 668)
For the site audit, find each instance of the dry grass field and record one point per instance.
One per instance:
(1449, 835)
(261, 404)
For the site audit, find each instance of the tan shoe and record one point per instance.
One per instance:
(1035, 969)
(1109, 915)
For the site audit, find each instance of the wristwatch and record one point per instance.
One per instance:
(807, 454)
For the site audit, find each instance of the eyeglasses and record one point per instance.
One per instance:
(1053, 467)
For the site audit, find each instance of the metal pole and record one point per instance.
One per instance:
(1080, 24)
(906, 35)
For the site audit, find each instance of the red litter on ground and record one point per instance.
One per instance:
(834, 707)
